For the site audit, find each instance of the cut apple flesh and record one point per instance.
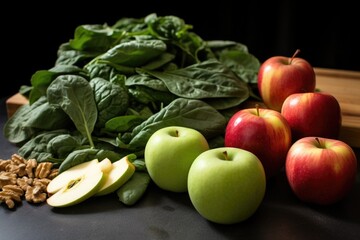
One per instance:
(121, 171)
(79, 188)
(105, 165)
(72, 173)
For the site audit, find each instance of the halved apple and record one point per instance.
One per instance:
(70, 174)
(121, 171)
(79, 188)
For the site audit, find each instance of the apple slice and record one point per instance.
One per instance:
(65, 177)
(105, 165)
(79, 188)
(121, 171)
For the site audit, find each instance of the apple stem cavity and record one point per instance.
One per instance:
(319, 143)
(294, 55)
(226, 156)
(176, 133)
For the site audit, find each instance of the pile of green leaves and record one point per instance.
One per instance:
(113, 86)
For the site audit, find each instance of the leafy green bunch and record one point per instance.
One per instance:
(113, 86)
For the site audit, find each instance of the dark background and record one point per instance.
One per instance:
(326, 34)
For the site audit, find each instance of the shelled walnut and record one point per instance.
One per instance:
(11, 194)
(21, 178)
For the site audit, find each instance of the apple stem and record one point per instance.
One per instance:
(226, 155)
(257, 109)
(319, 143)
(294, 55)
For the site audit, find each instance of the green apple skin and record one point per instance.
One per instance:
(281, 76)
(121, 171)
(169, 154)
(264, 132)
(80, 188)
(312, 114)
(226, 189)
(321, 170)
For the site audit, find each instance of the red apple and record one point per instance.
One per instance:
(321, 170)
(264, 132)
(280, 76)
(315, 114)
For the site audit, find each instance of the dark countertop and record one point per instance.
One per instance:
(165, 215)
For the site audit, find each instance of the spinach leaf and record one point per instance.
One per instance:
(159, 61)
(48, 145)
(134, 53)
(147, 80)
(41, 79)
(208, 79)
(131, 25)
(111, 100)
(29, 120)
(83, 155)
(176, 33)
(132, 191)
(76, 97)
(226, 103)
(123, 123)
(236, 57)
(180, 112)
(66, 55)
(94, 37)
(167, 27)
(145, 95)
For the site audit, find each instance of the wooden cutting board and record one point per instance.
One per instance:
(345, 86)
(342, 84)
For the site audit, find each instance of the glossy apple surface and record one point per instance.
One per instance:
(312, 114)
(120, 172)
(169, 154)
(264, 132)
(321, 170)
(226, 185)
(78, 189)
(281, 76)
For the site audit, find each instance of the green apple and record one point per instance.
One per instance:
(226, 185)
(169, 154)
(121, 171)
(65, 177)
(78, 189)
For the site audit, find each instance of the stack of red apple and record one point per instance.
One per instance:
(298, 132)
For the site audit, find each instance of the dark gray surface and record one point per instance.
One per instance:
(165, 215)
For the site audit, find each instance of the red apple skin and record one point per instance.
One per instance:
(280, 76)
(312, 114)
(267, 135)
(321, 173)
